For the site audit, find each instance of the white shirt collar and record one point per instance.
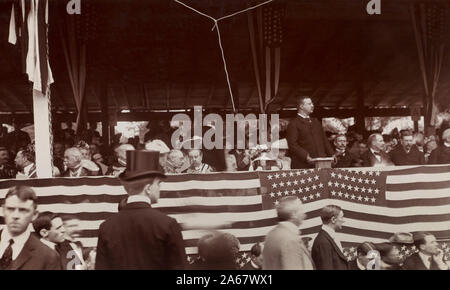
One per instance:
(303, 116)
(446, 144)
(27, 169)
(329, 230)
(77, 172)
(138, 198)
(359, 265)
(19, 242)
(290, 226)
(49, 244)
(425, 259)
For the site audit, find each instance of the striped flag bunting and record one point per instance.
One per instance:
(376, 204)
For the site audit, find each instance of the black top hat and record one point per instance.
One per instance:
(141, 164)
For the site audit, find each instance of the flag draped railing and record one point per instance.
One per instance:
(376, 203)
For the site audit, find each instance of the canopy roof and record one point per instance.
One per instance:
(158, 55)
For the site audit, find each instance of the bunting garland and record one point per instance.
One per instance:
(28, 29)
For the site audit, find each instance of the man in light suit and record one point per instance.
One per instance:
(19, 248)
(283, 246)
(327, 250)
(139, 237)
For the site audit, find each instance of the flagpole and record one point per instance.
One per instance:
(43, 133)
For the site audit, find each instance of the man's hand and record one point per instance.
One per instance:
(439, 259)
(89, 165)
(309, 160)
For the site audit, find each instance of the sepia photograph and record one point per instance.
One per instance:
(229, 135)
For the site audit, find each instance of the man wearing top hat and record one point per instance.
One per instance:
(140, 237)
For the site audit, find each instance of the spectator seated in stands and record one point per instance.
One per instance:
(176, 162)
(85, 150)
(120, 164)
(429, 147)
(264, 162)
(230, 163)
(441, 155)
(76, 166)
(25, 163)
(6, 170)
(162, 148)
(196, 162)
(407, 153)
(283, 162)
(419, 141)
(343, 157)
(376, 156)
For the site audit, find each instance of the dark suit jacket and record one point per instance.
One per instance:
(84, 172)
(67, 257)
(139, 237)
(440, 155)
(305, 138)
(326, 254)
(400, 157)
(346, 160)
(370, 160)
(35, 256)
(414, 262)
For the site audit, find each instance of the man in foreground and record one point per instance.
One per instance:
(283, 247)
(139, 237)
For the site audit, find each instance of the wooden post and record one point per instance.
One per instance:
(43, 134)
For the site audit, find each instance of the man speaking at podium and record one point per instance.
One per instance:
(306, 138)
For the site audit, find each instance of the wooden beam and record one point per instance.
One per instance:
(56, 95)
(343, 99)
(5, 100)
(324, 96)
(146, 100)
(212, 90)
(253, 94)
(8, 94)
(113, 93)
(124, 92)
(401, 96)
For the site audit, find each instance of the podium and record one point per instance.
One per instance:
(323, 162)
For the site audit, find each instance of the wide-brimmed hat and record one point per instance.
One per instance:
(157, 145)
(402, 238)
(141, 164)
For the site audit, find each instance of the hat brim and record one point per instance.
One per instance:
(127, 177)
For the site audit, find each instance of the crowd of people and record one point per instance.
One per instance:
(87, 154)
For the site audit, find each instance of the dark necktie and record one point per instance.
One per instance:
(430, 260)
(6, 259)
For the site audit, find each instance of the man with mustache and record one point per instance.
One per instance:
(407, 153)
